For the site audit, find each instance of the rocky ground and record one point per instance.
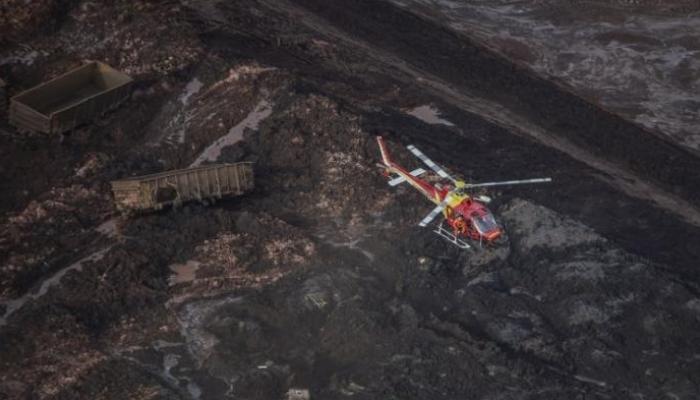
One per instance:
(320, 279)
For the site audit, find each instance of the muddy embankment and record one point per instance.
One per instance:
(461, 62)
(635, 58)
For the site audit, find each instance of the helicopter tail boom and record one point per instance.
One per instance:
(385, 153)
(404, 175)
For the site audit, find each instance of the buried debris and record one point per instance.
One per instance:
(298, 394)
(173, 188)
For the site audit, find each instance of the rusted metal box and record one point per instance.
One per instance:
(74, 98)
(206, 183)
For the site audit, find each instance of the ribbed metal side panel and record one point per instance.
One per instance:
(25, 118)
(156, 191)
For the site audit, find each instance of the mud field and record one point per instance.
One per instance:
(321, 280)
(637, 58)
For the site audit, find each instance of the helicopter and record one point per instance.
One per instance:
(465, 218)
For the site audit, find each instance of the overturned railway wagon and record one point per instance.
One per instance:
(173, 188)
(74, 98)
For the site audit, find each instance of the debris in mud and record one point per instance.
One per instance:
(43, 231)
(298, 394)
(94, 162)
(261, 251)
(19, 17)
(148, 48)
(327, 149)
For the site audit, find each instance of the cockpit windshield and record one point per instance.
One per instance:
(484, 223)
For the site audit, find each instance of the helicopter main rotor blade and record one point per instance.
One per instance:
(503, 183)
(430, 163)
(437, 210)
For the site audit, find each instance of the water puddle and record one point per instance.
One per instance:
(193, 87)
(429, 115)
(235, 134)
(179, 124)
(183, 272)
(108, 228)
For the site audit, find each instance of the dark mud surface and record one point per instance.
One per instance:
(321, 279)
(637, 58)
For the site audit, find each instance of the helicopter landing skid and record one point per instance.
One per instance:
(450, 237)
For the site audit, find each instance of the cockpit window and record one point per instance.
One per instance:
(484, 223)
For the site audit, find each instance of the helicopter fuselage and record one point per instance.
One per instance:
(467, 217)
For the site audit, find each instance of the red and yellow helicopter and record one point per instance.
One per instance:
(467, 217)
